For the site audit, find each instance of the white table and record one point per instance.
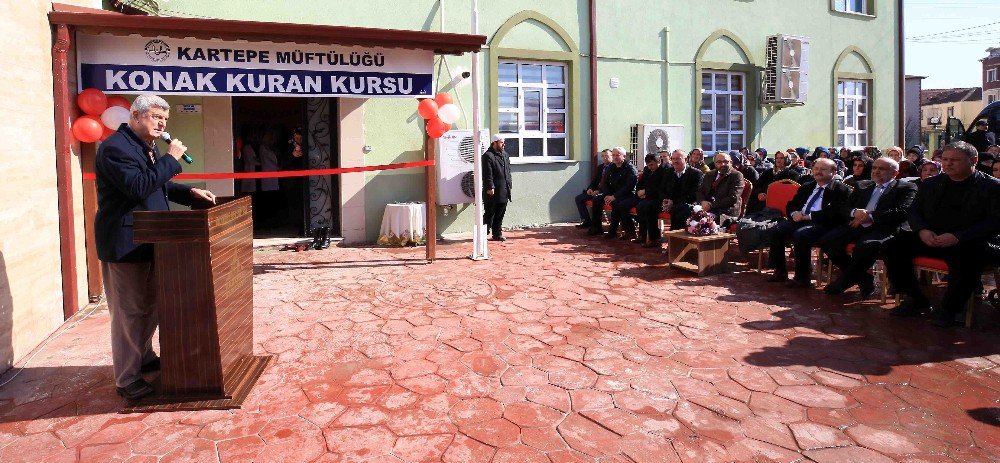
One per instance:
(403, 224)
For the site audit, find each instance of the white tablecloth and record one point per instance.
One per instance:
(403, 224)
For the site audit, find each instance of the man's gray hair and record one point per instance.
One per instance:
(143, 103)
(892, 162)
(684, 154)
(620, 150)
(964, 147)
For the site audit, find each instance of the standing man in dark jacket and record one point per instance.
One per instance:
(132, 176)
(647, 203)
(680, 189)
(619, 185)
(878, 208)
(593, 188)
(952, 218)
(816, 209)
(497, 185)
(982, 138)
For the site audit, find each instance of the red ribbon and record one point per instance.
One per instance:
(289, 173)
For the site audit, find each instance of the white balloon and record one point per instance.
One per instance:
(449, 113)
(114, 117)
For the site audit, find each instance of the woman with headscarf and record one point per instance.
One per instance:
(861, 169)
(696, 158)
(749, 173)
(910, 167)
(895, 152)
(928, 170)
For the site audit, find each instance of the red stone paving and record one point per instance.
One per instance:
(561, 348)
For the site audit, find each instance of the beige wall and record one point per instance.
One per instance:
(30, 279)
(964, 111)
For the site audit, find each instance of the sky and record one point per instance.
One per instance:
(936, 48)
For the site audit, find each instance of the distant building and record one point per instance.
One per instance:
(963, 103)
(991, 76)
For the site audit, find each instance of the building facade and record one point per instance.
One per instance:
(991, 76)
(937, 105)
(698, 66)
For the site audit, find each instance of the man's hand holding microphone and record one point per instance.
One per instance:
(178, 151)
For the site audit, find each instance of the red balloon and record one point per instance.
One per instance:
(107, 133)
(427, 108)
(442, 99)
(117, 100)
(92, 101)
(88, 129)
(436, 128)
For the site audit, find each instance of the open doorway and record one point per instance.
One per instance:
(276, 134)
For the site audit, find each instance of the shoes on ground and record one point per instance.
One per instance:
(135, 391)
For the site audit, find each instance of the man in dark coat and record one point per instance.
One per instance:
(132, 176)
(952, 218)
(497, 185)
(680, 189)
(721, 188)
(619, 185)
(815, 210)
(593, 188)
(878, 207)
(981, 138)
(647, 203)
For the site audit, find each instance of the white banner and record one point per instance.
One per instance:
(136, 64)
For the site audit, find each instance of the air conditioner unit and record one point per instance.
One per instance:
(652, 138)
(456, 154)
(786, 77)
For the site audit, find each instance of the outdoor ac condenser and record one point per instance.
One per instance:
(455, 156)
(786, 77)
(652, 138)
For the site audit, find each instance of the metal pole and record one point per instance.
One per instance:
(479, 248)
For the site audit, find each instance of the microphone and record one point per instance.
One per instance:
(166, 138)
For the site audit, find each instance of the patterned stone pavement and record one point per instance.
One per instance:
(560, 349)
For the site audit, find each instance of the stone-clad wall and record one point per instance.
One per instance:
(30, 277)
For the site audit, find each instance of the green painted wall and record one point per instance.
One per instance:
(651, 47)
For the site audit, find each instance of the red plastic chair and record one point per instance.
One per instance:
(779, 194)
(940, 267)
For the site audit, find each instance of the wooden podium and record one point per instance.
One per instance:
(204, 273)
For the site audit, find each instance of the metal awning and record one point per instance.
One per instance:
(102, 21)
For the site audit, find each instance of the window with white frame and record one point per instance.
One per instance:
(723, 111)
(852, 113)
(851, 6)
(532, 114)
(991, 75)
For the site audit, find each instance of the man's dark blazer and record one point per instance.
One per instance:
(496, 176)
(683, 190)
(726, 199)
(980, 211)
(652, 182)
(893, 206)
(129, 181)
(621, 180)
(832, 212)
(595, 183)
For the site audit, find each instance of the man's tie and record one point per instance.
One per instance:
(873, 202)
(812, 199)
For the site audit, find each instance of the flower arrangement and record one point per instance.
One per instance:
(702, 223)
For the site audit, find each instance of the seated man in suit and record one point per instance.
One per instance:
(878, 208)
(593, 189)
(720, 190)
(618, 185)
(680, 189)
(816, 209)
(952, 218)
(649, 195)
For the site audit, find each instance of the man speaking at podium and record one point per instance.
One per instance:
(133, 176)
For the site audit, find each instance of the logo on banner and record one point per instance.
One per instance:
(157, 50)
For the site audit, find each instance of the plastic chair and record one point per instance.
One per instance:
(940, 267)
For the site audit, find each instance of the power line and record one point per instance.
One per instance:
(952, 32)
